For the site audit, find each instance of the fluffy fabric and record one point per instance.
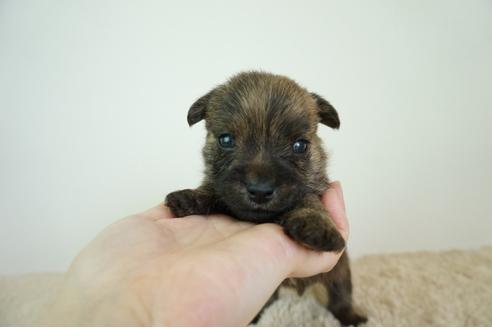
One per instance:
(451, 288)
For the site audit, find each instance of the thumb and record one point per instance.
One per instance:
(333, 201)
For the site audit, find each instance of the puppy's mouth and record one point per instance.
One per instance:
(256, 215)
(248, 210)
(257, 203)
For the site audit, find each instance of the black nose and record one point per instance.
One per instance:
(260, 192)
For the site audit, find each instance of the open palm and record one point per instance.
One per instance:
(154, 269)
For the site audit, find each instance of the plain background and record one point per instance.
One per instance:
(94, 96)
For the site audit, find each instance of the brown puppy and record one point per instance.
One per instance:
(265, 163)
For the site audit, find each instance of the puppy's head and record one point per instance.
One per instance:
(262, 153)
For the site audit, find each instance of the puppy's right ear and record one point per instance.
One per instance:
(197, 111)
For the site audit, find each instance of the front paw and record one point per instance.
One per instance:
(188, 202)
(313, 231)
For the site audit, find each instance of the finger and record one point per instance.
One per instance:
(267, 243)
(311, 262)
(338, 187)
(158, 212)
(333, 201)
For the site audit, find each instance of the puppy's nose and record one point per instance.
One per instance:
(260, 192)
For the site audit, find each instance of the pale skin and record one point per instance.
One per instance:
(154, 269)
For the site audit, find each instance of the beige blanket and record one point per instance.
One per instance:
(421, 288)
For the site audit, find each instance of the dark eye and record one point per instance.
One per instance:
(300, 146)
(226, 140)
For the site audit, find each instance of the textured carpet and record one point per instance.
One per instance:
(446, 288)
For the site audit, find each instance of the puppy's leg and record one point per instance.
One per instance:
(190, 201)
(310, 225)
(338, 284)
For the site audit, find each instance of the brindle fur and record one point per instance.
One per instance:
(266, 113)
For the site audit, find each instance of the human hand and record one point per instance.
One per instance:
(153, 269)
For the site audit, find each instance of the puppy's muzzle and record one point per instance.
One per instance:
(260, 192)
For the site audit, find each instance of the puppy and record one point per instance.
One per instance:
(265, 163)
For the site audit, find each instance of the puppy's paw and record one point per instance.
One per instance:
(351, 317)
(188, 202)
(313, 231)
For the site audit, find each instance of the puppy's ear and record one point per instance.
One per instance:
(326, 112)
(197, 111)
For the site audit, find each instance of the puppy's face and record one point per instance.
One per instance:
(262, 153)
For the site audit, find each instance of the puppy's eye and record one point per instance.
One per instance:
(226, 140)
(300, 146)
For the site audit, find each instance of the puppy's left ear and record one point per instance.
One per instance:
(327, 113)
(198, 110)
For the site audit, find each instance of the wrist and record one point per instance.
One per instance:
(80, 302)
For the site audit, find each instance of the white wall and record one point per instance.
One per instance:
(94, 96)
